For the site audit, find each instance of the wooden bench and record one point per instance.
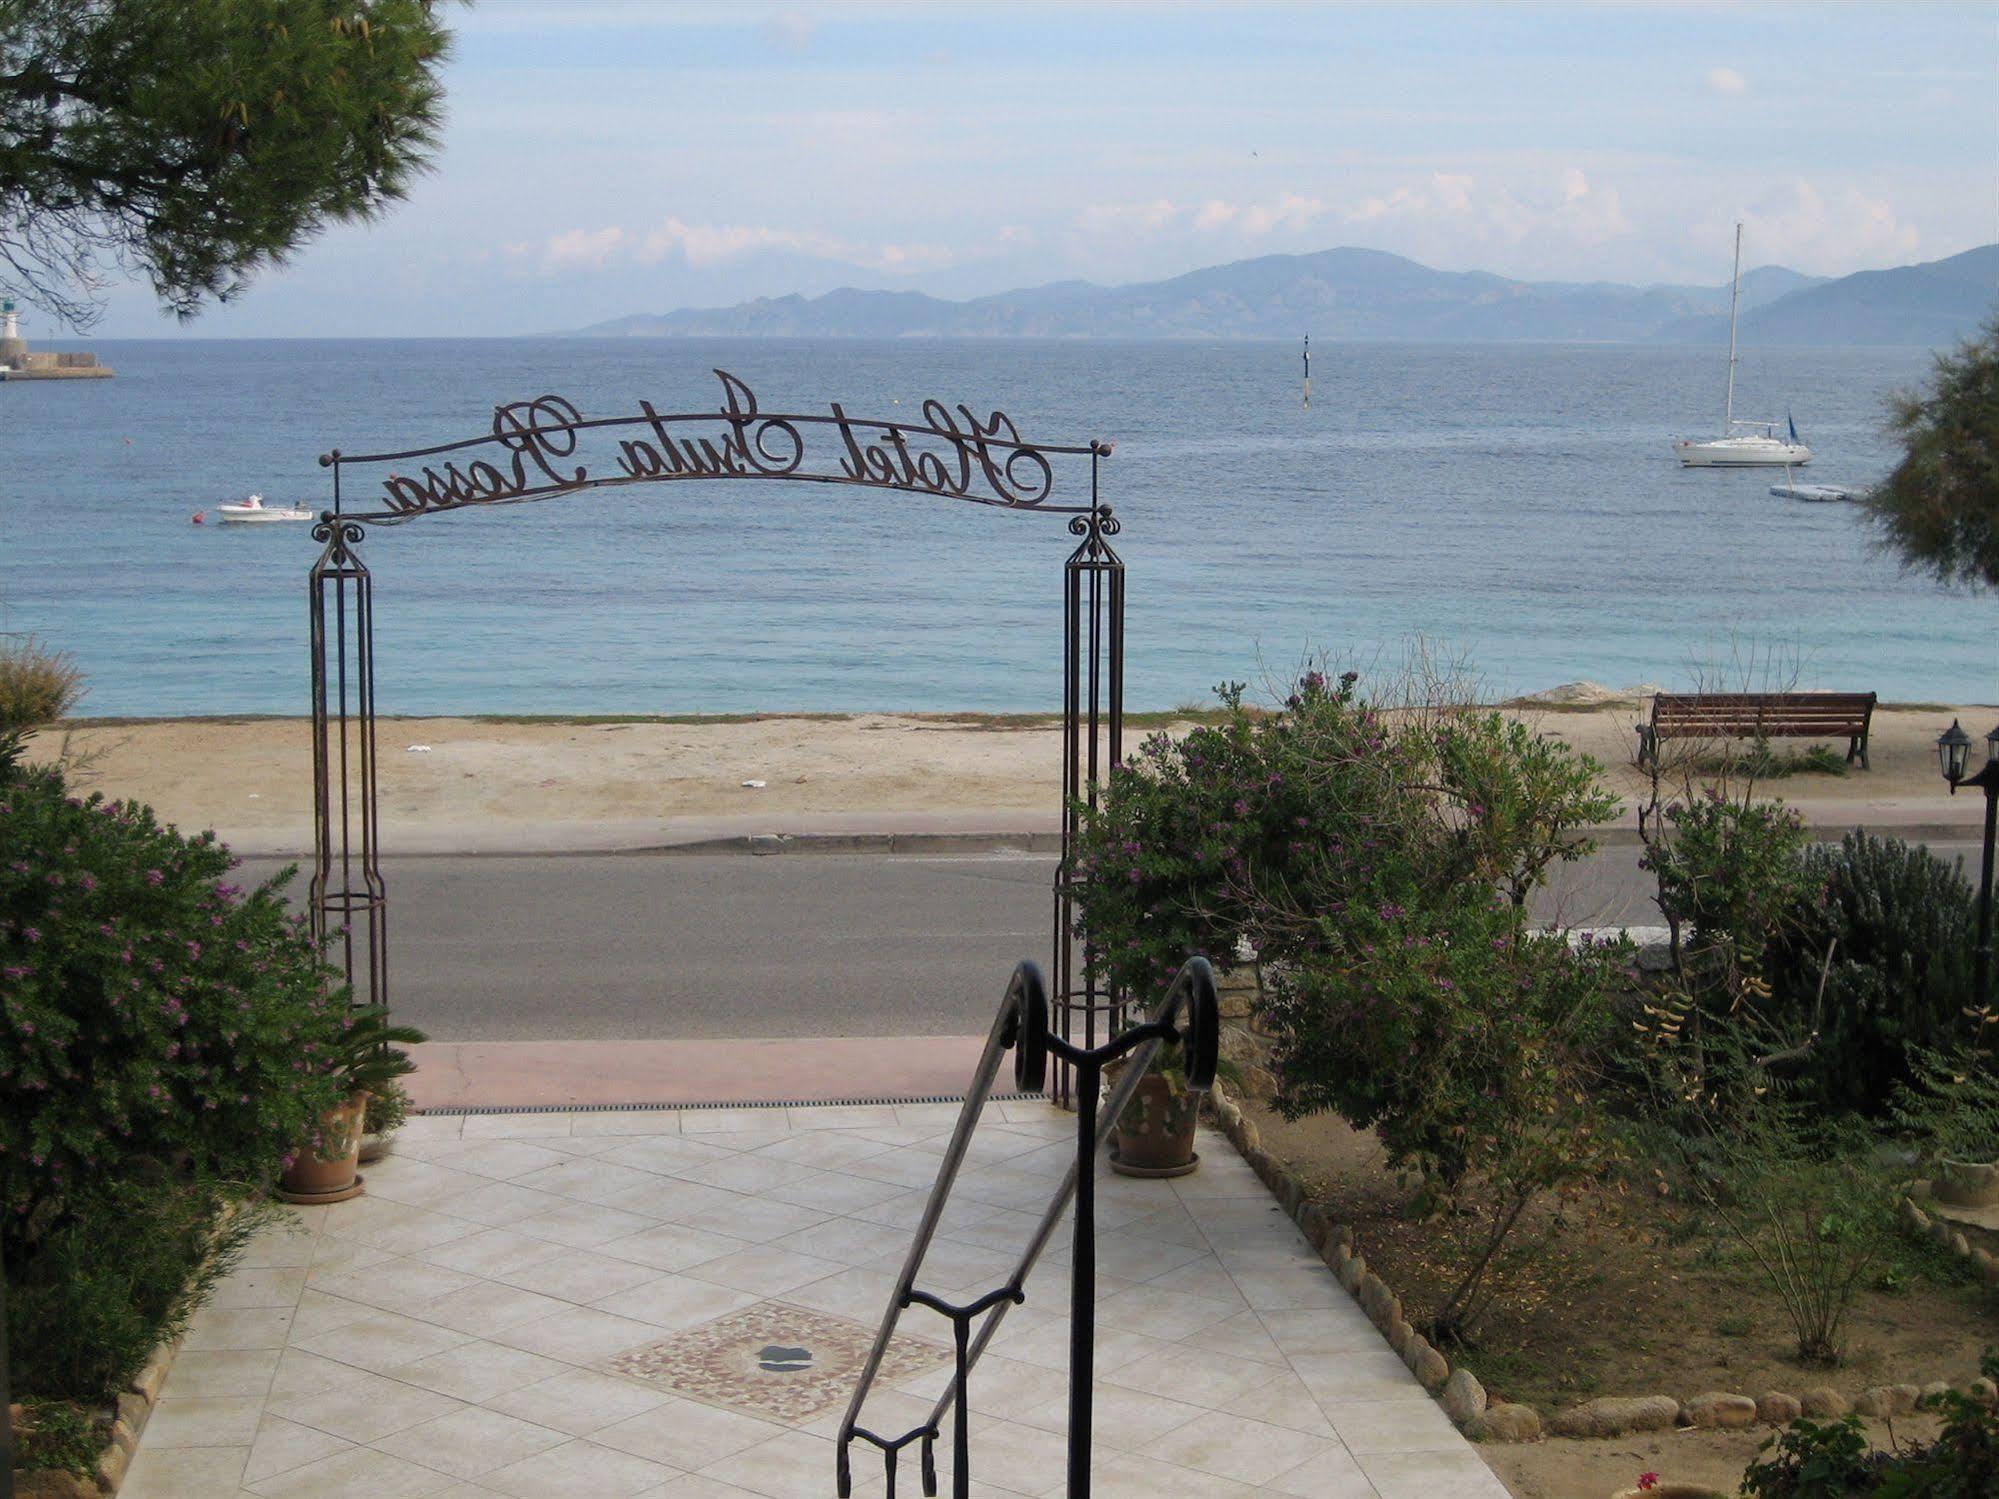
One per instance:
(1759, 715)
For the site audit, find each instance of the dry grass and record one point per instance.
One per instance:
(37, 686)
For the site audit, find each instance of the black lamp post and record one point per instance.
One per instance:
(1953, 747)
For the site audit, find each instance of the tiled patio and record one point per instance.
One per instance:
(616, 1305)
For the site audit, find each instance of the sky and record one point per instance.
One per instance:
(604, 157)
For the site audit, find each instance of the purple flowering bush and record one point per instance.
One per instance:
(153, 1016)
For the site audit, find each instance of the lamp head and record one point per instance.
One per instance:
(1953, 747)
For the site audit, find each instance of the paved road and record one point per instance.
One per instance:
(630, 947)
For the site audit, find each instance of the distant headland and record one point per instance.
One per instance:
(17, 363)
(1369, 294)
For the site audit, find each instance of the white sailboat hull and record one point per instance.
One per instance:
(1741, 452)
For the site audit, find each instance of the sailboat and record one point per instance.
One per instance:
(1742, 444)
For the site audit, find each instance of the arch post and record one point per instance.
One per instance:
(347, 901)
(1087, 1015)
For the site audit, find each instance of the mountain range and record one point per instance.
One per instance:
(1370, 294)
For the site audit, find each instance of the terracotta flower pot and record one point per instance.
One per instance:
(1155, 1134)
(1966, 1184)
(328, 1173)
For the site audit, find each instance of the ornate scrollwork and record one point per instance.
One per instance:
(950, 452)
(350, 532)
(1096, 523)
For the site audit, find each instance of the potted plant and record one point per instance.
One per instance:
(388, 1107)
(1951, 1112)
(1155, 1133)
(366, 1055)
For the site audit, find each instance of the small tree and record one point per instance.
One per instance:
(1940, 507)
(198, 144)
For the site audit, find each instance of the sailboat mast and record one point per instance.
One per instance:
(1734, 296)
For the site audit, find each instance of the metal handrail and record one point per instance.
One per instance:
(1020, 1026)
(1193, 989)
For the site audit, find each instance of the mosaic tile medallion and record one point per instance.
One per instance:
(769, 1360)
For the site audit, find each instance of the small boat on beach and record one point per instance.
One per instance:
(251, 508)
(1741, 444)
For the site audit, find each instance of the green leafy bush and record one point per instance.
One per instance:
(149, 1011)
(1898, 924)
(1832, 1459)
(124, 1268)
(1799, 1191)
(1378, 863)
(1254, 827)
(1469, 1045)
(37, 686)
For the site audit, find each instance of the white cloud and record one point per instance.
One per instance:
(1799, 226)
(591, 248)
(702, 246)
(1727, 81)
(788, 31)
(1455, 217)
(1162, 216)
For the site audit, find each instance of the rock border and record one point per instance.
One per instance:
(1948, 1236)
(1463, 1398)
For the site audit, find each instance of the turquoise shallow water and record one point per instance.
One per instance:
(1519, 502)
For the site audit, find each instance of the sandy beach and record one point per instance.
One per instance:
(489, 785)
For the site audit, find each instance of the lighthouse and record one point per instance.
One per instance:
(13, 348)
(16, 363)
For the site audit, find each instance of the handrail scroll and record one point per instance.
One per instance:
(1189, 1016)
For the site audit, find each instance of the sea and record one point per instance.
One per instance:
(1515, 508)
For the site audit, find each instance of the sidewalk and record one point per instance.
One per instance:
(673, 1305)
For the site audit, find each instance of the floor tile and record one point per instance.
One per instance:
(677, 1301)
(764, 1270)
(365, 1410)
(1432, 1475)
(382, 1340)
(578, 1469)
(1374, 1427)
(580, 1276)
(451, 1335)
(471, 1441)
(183, 1472)
(685, 1435)
(357, 1473)
(283, 1445)
(581, 1335)
(1251, 1452)
(578, 1401)
(227, 1421)
(201, 1374)
(673, 1246)
(477, 1371)
(249, 1328)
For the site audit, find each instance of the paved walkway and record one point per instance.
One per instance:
(660, 1305)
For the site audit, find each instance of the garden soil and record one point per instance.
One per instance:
(1623, 1296)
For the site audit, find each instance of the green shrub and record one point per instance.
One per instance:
(149, 1011)
(1832, 1459)
(1899, 924)
(1800, 1193)
(37, 686)
(57, 1436)
(1378, 864)
(126, 1267)
(1256, 826)
(1470, 1046)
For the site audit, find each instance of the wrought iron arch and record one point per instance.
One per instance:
(544, 447)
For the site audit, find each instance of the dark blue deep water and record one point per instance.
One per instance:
(1519, 503)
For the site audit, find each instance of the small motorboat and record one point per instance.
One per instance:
(253, 508)
(1818, 494)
